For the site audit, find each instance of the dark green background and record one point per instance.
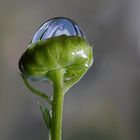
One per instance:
(105, 104)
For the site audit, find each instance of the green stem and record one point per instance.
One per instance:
(57, 104)
(35, 91)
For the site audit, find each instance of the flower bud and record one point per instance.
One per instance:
(53, 48)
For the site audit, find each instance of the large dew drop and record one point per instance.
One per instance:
(56, 27)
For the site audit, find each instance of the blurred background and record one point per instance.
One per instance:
(105, 104)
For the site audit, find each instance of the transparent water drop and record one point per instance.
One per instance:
(56, 27)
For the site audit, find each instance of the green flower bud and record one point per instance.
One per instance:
(71, 53)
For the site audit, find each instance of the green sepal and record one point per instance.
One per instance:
(46, 116)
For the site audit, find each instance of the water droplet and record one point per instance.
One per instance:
(56, 27)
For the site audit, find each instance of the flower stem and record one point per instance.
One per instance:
(57, 104)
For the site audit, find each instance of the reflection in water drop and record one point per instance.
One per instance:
(56, 27)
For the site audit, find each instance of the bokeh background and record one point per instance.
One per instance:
(105, 104)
